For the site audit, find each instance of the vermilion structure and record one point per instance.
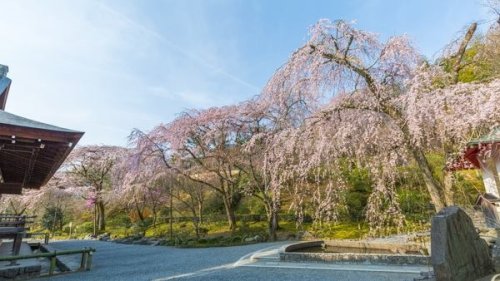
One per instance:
(483, 153)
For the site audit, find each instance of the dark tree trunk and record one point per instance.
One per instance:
(231, 217)
(138, 210)
(272, 213)
(155, 216)
(448, 188)
(434, 187)
(273, 225)
(100, 216)
(95, 219)
(200, 213)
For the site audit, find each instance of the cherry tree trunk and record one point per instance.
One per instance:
(448, 188)
(138, 210)
(231, 217)
(196, 222)
(101, 225)
(155, 216)
(434, 187)
(200, 213)
(272, 218)
(273, 224)
(95, 220)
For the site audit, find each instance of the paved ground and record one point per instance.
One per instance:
(252, 262)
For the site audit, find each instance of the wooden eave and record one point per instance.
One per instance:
(29, 157)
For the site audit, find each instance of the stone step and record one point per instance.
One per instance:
(23, 269)
(266, 258)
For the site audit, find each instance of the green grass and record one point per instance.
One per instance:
(345, 230)
(218, 235)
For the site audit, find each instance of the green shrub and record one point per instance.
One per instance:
(53, 219)
(214, 205)
(414, 203)
(236, 239)
(360, 189)
(85, 228)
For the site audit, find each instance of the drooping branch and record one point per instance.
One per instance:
(360, 70)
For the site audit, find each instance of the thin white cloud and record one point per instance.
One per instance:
(196, 99)
(190, 55)
(69, 66)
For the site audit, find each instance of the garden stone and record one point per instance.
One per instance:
(137, 237)
(124, 240)
(256, 238)
(89, 237)
(142, 241)
(458, 253)
(291, 236)
(305, 235)
(103, 237)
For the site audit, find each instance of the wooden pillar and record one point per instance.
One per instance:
(16, 244)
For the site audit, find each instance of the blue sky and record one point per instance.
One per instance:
(106, 67)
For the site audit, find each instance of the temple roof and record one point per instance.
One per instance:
(30, 151)
(491, 137)
(16, 120)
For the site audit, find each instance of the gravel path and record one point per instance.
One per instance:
(136, 262)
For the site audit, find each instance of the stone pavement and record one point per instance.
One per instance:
(251, 262)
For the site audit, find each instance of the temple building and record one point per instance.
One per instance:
(30, 151)
(30, 154)
(484, 153)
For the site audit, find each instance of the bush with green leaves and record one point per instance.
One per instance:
(53, 219)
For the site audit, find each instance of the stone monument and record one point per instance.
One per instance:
(458, 253)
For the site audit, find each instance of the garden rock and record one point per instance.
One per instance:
(104, 237)
(256, 238)
(458, 253)
(305, 235)
(89, 237)
(155, 243)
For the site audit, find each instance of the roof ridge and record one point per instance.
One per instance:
(16, 120)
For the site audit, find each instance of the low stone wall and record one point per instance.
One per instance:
(20, 272)
(401, 248)
(354, 258)
(303, 245)
(24, 269)
(291, 254)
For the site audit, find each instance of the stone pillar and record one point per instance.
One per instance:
(489, 180)
(490, 170)
(458, 254)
